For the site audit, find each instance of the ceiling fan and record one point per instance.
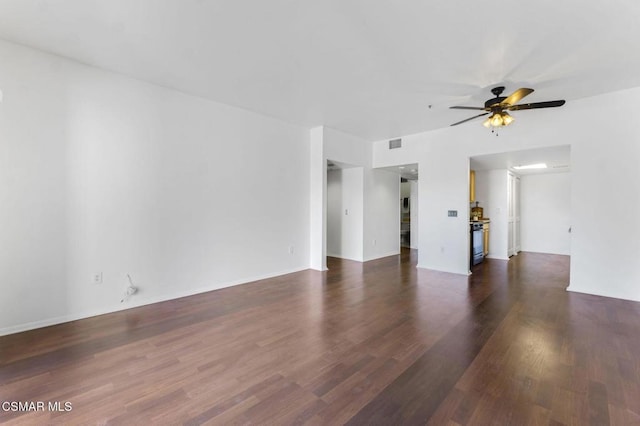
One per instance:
(499, 106)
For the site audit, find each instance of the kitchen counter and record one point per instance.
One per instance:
(483, 220)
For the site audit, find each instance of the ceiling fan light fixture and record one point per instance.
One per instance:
(496, 120)
(507, 119)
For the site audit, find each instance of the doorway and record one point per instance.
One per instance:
(409, 212)
(408, 203)
(526, 195)
(345, 210)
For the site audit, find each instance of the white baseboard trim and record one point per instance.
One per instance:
(135, 304)
(380, 256)
(497, 257)
(598, 294)
(456, 272)
(344, 257)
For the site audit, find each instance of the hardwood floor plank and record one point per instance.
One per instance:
(415, 395)
(229, 403)
(598, 404)
(379, 342)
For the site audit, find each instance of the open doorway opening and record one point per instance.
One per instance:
(524, 197)
(345, 210)
(362, 214)
(408, 204)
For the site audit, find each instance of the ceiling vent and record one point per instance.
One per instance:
(395, 143)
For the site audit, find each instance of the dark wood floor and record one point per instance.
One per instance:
(375, 343)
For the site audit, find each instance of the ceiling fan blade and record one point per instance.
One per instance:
(467, 107)
(535, 105)
(469, 119)
(515, 97)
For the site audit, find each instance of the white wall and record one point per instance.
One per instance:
(605, 190)
(317, 200)
(443, 185)
(382, 214)
(491, 193)
(345, 148)
(545, 214)
(345, 192)
(103, 173)
(405, 190)
(605, 199)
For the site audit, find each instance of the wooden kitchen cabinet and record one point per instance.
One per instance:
(472, 185)
(485, 234)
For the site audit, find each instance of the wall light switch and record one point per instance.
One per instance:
(452, 213)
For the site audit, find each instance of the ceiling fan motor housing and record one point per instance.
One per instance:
(497, 91)
(494, 101)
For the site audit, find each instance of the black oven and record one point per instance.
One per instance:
(477, 243)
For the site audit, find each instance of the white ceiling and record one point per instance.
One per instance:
(557, 159)
(369, 68)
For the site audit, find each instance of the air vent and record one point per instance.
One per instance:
(395, 143)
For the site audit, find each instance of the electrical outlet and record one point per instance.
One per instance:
(97, 278)
(452, 213)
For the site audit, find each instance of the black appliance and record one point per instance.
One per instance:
(477, 243)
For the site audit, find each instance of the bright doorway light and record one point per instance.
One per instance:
(531, 166)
